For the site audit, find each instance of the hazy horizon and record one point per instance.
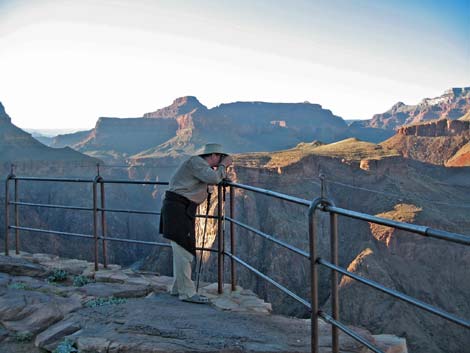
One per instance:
(65, 63)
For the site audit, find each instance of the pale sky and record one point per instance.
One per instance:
(64, 63)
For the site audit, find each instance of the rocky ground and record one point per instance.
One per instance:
(49, 304)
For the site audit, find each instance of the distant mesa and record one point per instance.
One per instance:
(453, 104)
(184, 126)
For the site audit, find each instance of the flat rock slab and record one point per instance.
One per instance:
(20, 267)
(111, 276)
(162, 323)
(115, 290)
(31, 311)
(72, 266)
(51, 337)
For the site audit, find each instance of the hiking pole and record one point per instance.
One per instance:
(198, 277)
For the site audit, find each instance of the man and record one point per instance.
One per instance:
(187, 189)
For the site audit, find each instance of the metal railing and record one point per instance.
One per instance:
(319, 204)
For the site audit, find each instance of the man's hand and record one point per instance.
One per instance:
(226, 161)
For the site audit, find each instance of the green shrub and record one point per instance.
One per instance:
(93, 303)
(80, 281)
(18, 285)
(66, 346)
(57, 276)
(24, 336)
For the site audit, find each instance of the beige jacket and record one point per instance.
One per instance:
(192, 177)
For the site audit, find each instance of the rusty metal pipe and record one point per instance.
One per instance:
(269, 237)
(274, 194)
(406, 298)
(66, 180)
(417, 229)
(334, 281)
(220, 243)
(45, 205)
(7, 213)
(233, 268)
(95, 220)
(103, 225)
(349, 332)
(269, 279)
(313, 274)
(17, 221)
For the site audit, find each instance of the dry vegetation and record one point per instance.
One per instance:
(350, 149)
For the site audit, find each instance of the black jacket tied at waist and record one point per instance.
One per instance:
(177, 220)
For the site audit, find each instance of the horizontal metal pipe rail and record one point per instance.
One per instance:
(80, 208)
(45, 205)
(90, 236)
(136, 182)
(38, 230)
(348, 331)
(417, 229)
(274, 194)
(64, 180)
(269, 237)
(269, 279)
(83, 180)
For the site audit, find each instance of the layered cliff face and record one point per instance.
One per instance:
(442, 127)
(453, 104)
(442, 142)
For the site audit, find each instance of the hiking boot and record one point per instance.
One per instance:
(197, 299)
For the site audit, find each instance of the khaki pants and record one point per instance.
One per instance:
(182, 284)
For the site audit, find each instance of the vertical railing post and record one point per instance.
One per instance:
(313, 275)
(232, 240)
(95, 220)
(220, 242)
(103, 224)
(17, 220)
(7, 214)
(334, 280)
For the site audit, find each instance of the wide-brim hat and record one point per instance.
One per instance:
(211, 148)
